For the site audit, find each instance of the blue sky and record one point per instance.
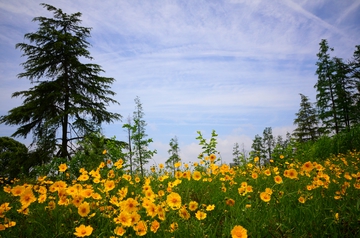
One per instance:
(235, 66)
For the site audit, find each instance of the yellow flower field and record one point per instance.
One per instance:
(203, 199)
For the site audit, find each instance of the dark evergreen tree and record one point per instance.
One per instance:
(354, 65)
(268, 142)
(344, 88)
(258, 149)
(306, 121)
(14, 158)
(325, 87)
(69, 95)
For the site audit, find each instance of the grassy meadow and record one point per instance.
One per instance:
(285, 198)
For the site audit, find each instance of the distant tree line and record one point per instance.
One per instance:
(329, 125)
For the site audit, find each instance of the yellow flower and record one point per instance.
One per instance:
(96, 196)
(42, 190)
(173, 226)
(187, 175)
(135, 218)
(5, 207)
(104, 152)
(161, 166)
(301, 199)
(183, 213)
(141, 228)
(212, 157)
(51, 205)
(58, 185)
(130, 205)
(118, 164)
(291, 173)
(266, 197)
(230, 202)
(111, 174)
(7, 189)
(196, 175)
(254, 175)
(42, 198)
(155, 225)
(27, 197)
(268, 191)
(62, 167)
(249, 189)
(178, 174)
(200, 215)
(281, 156)
(347, 176)
(357, 185)
(84, 209)
(119, 230)
(86, 192)
(10, 224)
(267, 172)
(63, 200)
(278, 179)
(101, 165)
(72, 191)
(109, 185)
(161, 193)
(307, 167)
(122, 192)
(77, 200)
(243, 184)
(151, 209)
(83, 177)
(242, 191)
(173, 200)
(95, 174)
(83, 230)
(210, 207)
(177, 164)
(17, 190)
(256, 159)
(24, 210)
(239, 232)
(124, 219)
(193, 205)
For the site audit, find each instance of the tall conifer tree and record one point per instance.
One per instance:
(68, 95)
(325, 87)
(355, 76)
(268, 142)
(306, 121)
(141, 152)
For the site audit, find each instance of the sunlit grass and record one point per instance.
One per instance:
(285, 198)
